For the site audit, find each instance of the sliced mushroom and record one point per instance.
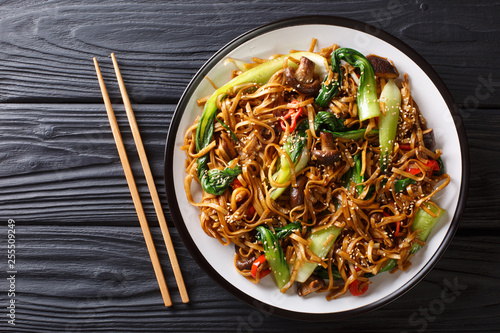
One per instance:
(383, 67)
(429, 141)
(305, 72)
(302, 79)
(312, 284)
(297, 193)
(328, 155)
(326, 140)
(244, 263)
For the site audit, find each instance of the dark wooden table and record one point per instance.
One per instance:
(81, 261)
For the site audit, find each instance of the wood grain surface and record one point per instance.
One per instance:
(82, 265)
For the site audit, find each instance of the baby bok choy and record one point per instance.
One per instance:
(390, 100)
(321, 243)
(296, 148)
(274, 256)
(216, 181)
(425, 222)
(368, 106)
(328, 122)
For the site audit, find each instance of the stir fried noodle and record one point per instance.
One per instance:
(340, 186)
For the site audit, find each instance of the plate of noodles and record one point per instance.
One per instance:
(316, 167)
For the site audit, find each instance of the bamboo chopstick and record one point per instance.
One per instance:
(151, 183)
(133, 189)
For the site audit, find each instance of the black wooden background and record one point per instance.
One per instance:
(81, 261)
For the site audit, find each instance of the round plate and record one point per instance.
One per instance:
(435, 103)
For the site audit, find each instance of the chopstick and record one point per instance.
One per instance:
(151, 183)
(133, 191)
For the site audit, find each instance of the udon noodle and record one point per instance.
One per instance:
(373, 217)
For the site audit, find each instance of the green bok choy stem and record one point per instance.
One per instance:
(388, 121)
(296, 148)
(318, 247)
(274, 256)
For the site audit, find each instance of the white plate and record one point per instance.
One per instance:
(436, 104)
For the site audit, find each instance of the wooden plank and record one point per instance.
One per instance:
(59, 164)
(484, 149)
(46, 48)
(85, 279)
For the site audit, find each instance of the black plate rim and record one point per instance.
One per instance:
(326, 20)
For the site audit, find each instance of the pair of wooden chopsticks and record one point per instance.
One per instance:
(133, 188)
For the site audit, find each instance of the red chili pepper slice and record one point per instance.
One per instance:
(431, 164)
(290, 112)
(354, 288)
(405, 146)
(294, 114)
(255, 267)
(413, 171)
(236, 184)
(264, 273)
(398, 224)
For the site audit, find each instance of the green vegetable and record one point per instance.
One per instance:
(274, 256)
(326, 93)
(356, 176)
(368, 106)
(302, 126)
(401, 184)
(317, 246)
(353, 176)
(355, 134)
(285, 231)
(326, 121)
(425, 222)
(389, 265)
(296, 148)
(323, 273)
(388, 123)
(441, 167)
(215, 182)
(235, 138)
